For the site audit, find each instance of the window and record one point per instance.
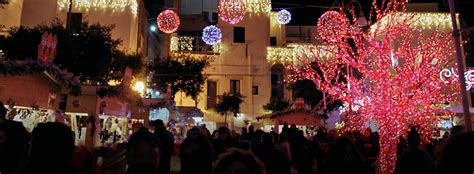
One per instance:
(234, 86)
(273, 41)
(76, 20)
(215, 17)
(278, 87)
(254, 90)
(239, 34)
(211, 94)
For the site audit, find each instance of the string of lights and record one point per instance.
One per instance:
(257, 7)
(114, 5)
(397, 85)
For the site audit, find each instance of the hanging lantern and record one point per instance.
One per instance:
(333, 26)
(168, 21)
(231, 11)
(211, 35)
(284, 17)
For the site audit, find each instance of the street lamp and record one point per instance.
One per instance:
(139, 87)
(152, 28)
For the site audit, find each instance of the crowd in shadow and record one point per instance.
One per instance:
(50, 148)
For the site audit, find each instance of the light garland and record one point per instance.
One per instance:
(216, 48)
(259, 6)
(211, 35)
(420, 20)
(114, 5)
(295, 51)
(283, 17)
(394, 95)
(168, 21)
(310, 51)
(332, 26)
(231, 11)
(181, 43)
(280, 55)
(446, 73)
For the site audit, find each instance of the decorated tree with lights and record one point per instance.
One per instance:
(389, 74)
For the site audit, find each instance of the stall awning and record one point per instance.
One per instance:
(297, 117)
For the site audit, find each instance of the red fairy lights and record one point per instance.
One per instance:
(332, 26)
(232, 11)
(390, 75)
(168, 21)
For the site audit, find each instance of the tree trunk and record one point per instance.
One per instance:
(195, 102)
(225, 119)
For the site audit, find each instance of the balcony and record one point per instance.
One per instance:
(193, 45)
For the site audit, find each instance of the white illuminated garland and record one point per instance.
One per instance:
(448, 73)
(114, 5)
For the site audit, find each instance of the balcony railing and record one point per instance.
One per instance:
(192, 44)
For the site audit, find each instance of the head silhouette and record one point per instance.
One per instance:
(413, 138)
(457, 129)
(52, 146)
(251, 129)
(143, 154)
(238, 162)
(3, 111)
(243, 130)
(158, 124)
(267, 140)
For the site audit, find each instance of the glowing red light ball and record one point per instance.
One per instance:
(168, 21)
(333, 26)
(232, 11)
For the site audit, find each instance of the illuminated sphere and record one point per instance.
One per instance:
(211, 35)
(283, 17)
(231, 11)
(333, 26)
(168, 21)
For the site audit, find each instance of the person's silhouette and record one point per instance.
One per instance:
(274, 160)
(414, 160)
(143, 153)
(456, 157)
(237, 161)
(52, 147)
(167, 145)
(13, 141)
(196, 153)
(344, 157)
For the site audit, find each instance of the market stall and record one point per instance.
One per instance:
(33, 91)
(305, 120)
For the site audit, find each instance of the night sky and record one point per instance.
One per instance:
(306, 12)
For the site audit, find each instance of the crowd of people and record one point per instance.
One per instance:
(289, 151)
(50, 148)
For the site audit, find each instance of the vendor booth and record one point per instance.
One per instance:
(305, 120)
(34, 93)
